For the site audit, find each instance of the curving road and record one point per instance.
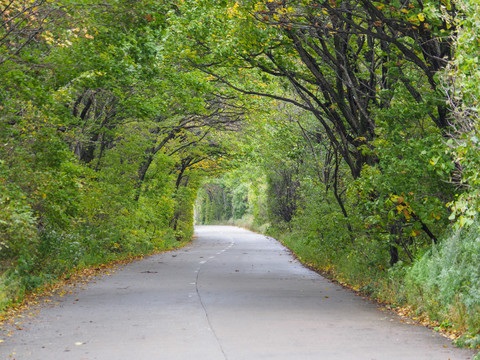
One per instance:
(231, 295)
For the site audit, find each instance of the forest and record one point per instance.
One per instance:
(348, 130)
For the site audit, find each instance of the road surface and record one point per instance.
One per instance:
(231, 295)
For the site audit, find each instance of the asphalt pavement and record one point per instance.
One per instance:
(231, 295)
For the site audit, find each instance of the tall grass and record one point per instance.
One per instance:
(445, 283)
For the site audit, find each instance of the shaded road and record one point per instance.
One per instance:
(231, 295)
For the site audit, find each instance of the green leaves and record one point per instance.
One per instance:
(104, 138)
(461, 80)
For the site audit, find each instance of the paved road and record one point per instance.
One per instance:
(231, 295)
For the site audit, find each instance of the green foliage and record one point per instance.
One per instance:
(461, 81)
(323, 123)
(103, 141)
(222, 200)
(282, 193)
(407, 190)
(445, 282)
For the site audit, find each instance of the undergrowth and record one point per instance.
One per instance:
(445, 283)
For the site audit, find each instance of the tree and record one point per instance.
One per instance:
(360, 68)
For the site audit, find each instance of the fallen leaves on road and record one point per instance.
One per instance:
(409, 315)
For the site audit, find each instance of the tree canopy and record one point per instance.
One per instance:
(347, 128)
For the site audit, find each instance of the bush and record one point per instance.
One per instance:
(445, 282)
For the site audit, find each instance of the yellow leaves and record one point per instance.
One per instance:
(48, 37)
(417, 19)
(397, 199)
(406, 213)
(403, 206)
(233, 11)
(414, 20)
(415, 233)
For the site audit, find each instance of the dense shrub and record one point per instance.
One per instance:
(445, 282)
